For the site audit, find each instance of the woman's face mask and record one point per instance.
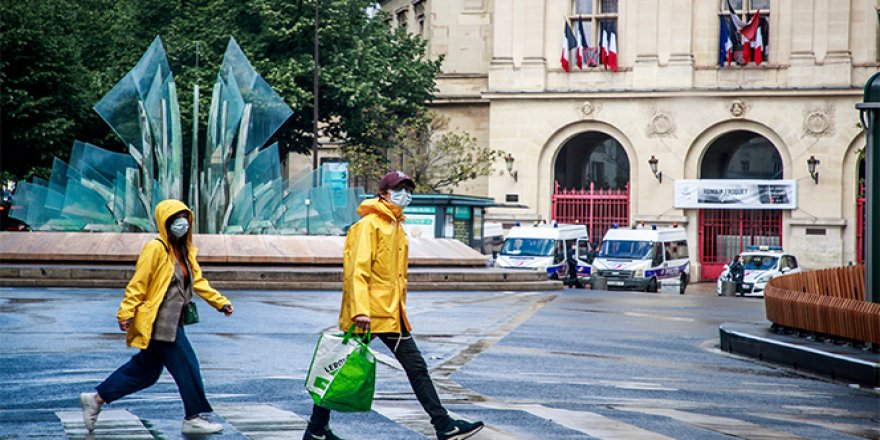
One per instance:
(179, 227)
(400, 197)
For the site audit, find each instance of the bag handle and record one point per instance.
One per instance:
(364, 339)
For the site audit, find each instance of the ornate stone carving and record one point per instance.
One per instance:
(738, 108)
(817, 123)
(662, 124)
(589, 109)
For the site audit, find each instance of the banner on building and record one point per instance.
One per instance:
(736, 194)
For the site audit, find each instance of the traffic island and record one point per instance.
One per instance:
(832, 359)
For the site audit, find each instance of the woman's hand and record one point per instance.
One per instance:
(362, 322)
(125, 325)
(227, 309)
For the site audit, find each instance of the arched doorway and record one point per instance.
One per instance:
(724, 233)
(591, 183)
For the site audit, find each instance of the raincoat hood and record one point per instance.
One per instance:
(153, 275)
(381, 207)
(164, 210)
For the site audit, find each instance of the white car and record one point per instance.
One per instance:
(761, 265)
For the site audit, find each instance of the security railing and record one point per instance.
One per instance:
(828, 302)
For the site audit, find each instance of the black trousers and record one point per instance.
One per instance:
(407, 353)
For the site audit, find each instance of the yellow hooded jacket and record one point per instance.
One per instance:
(152, 276)
(375, 262)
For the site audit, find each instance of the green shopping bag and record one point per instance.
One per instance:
(342, 375)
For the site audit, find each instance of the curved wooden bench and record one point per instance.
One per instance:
(828, 301)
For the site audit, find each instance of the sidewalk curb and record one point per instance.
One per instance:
(757, 341)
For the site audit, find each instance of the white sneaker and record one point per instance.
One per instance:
(91, 408)
(199, 425)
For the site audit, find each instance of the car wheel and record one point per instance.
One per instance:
(682, 284)
(652, 286)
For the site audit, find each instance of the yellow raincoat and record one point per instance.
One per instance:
(152, 276)
(374, 269)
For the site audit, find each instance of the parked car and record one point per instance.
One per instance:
(761, 264)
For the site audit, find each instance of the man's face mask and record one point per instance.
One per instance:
(179, 227)
(400, 197)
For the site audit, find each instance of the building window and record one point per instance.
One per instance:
(402, 18)
(419, 10)
(744, 44)
(594, 16)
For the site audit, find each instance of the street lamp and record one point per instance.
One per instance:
(870, 118)
(508, 160)
(653, 163)
(811, 167)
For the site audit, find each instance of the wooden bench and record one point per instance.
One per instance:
(828, 301)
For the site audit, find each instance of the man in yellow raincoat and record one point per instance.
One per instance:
(375, 262)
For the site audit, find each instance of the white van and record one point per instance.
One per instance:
(541, 247)
(643, 259)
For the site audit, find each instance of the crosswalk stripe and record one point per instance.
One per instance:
(846, 428)
(725, 425)
(413, 417)
(263, 421)
(592, 424)
(112, 424)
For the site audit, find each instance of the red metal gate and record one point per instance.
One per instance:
(597, 209)
(860, 226)
(724, 233)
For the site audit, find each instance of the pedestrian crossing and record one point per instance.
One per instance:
(265, 421)
(113, 424)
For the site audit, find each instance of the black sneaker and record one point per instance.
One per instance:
(327, 435)
(459, 430)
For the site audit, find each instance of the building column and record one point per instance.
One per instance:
(646, 66)
(803, 58)
(833, 21)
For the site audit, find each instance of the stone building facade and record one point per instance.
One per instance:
(503, 83)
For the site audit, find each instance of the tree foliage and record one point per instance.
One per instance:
(438, 159)
(61, 56)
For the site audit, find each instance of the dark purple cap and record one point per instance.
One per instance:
(394, 179)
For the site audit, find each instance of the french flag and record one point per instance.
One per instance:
(569, 42)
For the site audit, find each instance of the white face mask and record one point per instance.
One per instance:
(179, 227)
(400, 198)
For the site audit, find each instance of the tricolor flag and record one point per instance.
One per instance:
(612, 46)
(603, 46)
(583, 45)
(725, 44)
(748, 32)
(758, 47)
(568, 43)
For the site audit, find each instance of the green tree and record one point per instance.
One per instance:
(42, 80)
(438, 159)
(61, 56)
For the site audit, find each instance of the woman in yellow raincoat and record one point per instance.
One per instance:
(152, 315)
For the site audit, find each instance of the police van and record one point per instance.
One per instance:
(643, 259)
(541, 247)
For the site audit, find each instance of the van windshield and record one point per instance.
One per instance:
(626, 249)
(528, 247)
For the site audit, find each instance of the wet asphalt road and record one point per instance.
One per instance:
(572, 364)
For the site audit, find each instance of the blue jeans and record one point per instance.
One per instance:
(407, 353)
(144, 369)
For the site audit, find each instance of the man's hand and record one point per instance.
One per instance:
(362, 322)
(227, 309)
(124, 325)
